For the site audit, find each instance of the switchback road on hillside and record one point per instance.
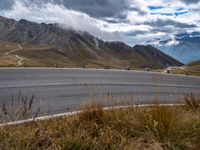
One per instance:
(63, 90)
(19, 59)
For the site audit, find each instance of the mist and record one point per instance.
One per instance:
(51, 12)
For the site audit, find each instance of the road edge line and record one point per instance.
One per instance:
(68, 114)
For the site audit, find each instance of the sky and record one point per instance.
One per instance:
(131, 21)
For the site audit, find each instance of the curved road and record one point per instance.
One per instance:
(62, 90)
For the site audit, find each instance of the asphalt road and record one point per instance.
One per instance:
(62, 90)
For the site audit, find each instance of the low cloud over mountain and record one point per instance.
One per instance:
(185, 47)
(111, 19)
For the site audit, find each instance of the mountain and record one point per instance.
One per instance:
(73, 48)
(155, 56)
(184, 47)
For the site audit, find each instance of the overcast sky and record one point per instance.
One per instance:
(131, 21)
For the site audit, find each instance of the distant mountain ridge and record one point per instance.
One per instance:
(80, 46)
(184, 47)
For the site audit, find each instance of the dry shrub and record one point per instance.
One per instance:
(91, 112)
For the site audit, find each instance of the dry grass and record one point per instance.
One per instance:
(33, 56)
(154, 127)
(194, 72)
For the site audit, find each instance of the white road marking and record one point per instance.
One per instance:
(98, 83)
(68, 114)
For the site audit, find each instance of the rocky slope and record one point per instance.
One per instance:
(76, 47)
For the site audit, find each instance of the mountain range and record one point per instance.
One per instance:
(184, 47)
(50, 44)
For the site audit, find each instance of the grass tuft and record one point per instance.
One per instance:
(18, 109)
(191, 102)
(91, 112)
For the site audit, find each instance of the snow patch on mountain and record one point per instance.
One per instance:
(185, 47)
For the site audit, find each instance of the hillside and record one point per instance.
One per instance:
(194, 64)
(68, 48)
(192, 68)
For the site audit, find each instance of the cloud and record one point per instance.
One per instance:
(191, 1)
(100, 8)
(94, 8)
(135, 33)
(128, 20)
(54, 13)
(6, 4)
(161, 23)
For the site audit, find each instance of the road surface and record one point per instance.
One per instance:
(62, 90)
